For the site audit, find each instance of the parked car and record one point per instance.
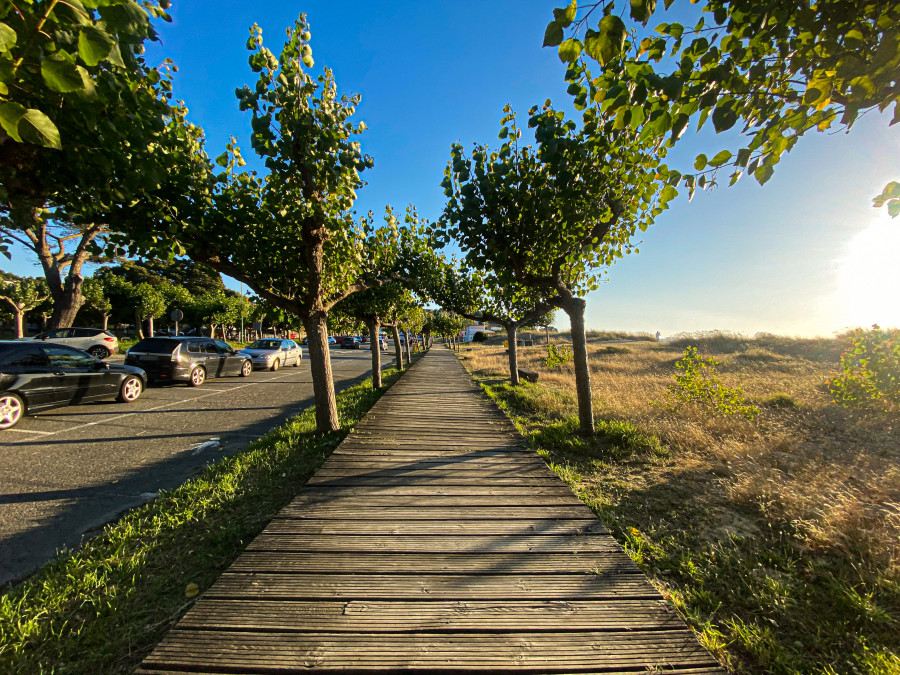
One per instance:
(349, 343)
(35, 377)
(187, 359)
(95, 341)
(271, 353)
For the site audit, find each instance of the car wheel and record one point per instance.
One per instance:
(98, 352)
(11, 410)
(131, 389)
(297, 360)
(276, 365)
(246, 369)
(198, 376)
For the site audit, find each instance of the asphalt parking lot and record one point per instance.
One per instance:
(66, 472)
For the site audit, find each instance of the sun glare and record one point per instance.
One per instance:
(868, 276)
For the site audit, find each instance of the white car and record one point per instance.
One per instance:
(95, 341)
(272, 353)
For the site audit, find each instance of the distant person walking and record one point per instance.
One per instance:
(657, 336)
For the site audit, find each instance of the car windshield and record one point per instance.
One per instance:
(265, 344)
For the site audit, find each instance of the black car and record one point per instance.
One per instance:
(35, 377)
(187, 359)
(349, 343)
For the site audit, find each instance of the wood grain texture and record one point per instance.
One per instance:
(432, 540)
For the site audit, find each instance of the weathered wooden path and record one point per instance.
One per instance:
(433, 539)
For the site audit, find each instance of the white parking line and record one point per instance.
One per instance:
(214, 392)
(29, 431)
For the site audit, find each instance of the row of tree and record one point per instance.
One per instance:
(97, 160)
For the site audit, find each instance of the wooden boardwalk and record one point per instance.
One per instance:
(433, 539)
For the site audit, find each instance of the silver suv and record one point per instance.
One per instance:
(95, 341)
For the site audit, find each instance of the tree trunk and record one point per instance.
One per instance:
(106, 322)
(66, 303)
(138, 325)
(511, 329)
(408, 359)
(397, 348)
(374, 326)
(20, 323)
(574, 307)
(316, 325)
(548, 334)
(150, 326)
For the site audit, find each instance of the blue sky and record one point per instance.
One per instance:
(804, 255)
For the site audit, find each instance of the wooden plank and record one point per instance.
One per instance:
(545, 527)
(368, 512)
(551, 492)
(427, 544)
(292, 616)
(431, 587)
(367, 562)
(522, 651)
(438, 479)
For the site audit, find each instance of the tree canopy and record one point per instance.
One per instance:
(780, 69)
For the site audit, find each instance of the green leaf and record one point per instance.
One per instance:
(35, 127)
(641, 10)
(222, 160)
(553, 35)
(10, 114)
(7, 38)
(570, 50)
(94, 45)
(612, 33)
(61, 75)
(764, 173)
(720, 158)
(701, 162)
(565, 16)
(894, 208)
(743, 157)
(724, 117)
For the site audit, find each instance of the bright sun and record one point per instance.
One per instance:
(869, 276)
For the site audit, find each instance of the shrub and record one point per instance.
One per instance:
(699, 383)
(480, 336)
(870, 370)
(783, 401)
(557, 356)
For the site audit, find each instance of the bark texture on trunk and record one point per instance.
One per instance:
(406, 346)
(574, 307)
(150, 325)
(106, 322)
(395, 332)
(512, 334)
(20, 324)
(320, 368)
(374, 326)
(67, 300)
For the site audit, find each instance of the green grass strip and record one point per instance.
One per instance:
(102, 608)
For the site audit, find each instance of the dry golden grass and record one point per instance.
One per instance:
(822, 481)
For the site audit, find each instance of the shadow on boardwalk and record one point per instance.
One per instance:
(432, 539)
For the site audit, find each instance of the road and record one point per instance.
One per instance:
(66, 472)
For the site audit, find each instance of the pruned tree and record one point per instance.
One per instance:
(479, 295)
(552, 218)
(84, 131)
(22, 295)
(780, 68)
(95, 297)
(148, 303)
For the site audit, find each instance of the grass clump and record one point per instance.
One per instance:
(102, 608)
(698, 382)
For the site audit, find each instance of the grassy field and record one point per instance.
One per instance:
(777, 538)
(102, 608)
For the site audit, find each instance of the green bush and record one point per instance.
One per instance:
(479, 336)
(557, 356)
(699, 383)
(870, 368)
